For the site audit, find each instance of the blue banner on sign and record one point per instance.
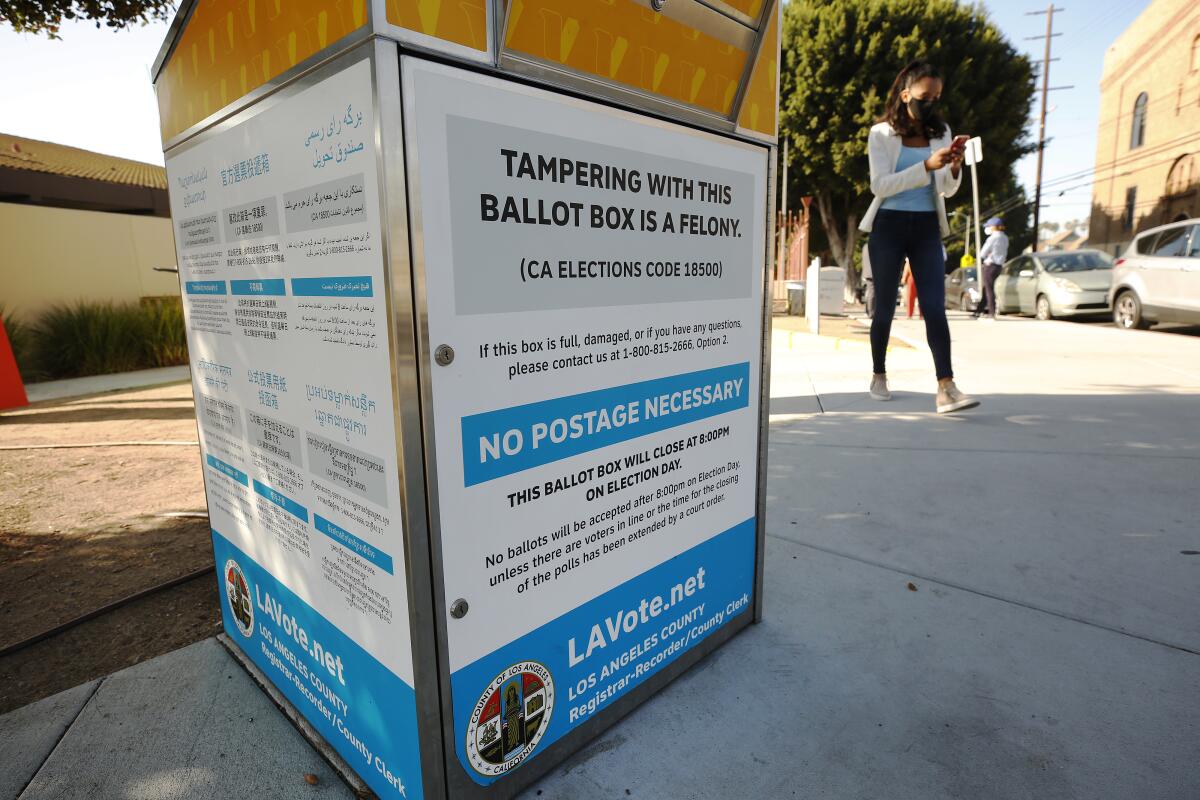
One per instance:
(354, 544)
(204, 287)
(272, 287)
(361, 708)
(282, 500)
(509, 440)
(515, 702)
(228, 470)
(356, 286)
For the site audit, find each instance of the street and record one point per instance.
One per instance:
(995, 604)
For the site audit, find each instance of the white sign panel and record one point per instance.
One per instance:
(974, 151)
(599, 278)
(281, 263)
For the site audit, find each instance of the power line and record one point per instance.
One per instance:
(1018, 200)
(1127, 159)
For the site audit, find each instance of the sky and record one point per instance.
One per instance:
(92, 89)
(1088, 28)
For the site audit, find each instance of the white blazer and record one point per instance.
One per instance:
(883, 151)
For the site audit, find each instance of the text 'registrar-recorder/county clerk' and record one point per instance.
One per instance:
(589, 174)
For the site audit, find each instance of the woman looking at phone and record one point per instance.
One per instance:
(915, 164)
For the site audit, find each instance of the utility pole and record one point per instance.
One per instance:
(1046, 89)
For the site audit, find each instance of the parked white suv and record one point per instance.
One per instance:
(1157, 279)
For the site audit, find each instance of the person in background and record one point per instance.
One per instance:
(993, 255)
(915, 164)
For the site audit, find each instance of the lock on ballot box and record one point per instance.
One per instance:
(476, 301)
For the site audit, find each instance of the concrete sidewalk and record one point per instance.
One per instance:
(999, 604)
(96, 384)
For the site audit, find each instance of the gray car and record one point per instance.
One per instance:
(1062, 283)
(962, 289)
(1157, 279)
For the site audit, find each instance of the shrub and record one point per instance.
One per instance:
(164, 338)
(20, 338)
(90, 338)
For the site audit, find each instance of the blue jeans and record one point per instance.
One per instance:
(915, 235)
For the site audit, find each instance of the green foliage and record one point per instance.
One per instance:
(46, 16)
(20, 338)
(88, 339)
(164, 338)
(839, 59)
(100, 338)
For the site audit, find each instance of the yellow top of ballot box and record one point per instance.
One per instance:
(712, 63)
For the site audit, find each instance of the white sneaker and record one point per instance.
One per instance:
(949, 398)
(879, 388)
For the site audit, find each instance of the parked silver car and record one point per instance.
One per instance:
(962, 289)
(1059, 283)
(1157, 279)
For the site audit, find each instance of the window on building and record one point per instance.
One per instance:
(1137, 134)
(1182, 175)
(1130, 207)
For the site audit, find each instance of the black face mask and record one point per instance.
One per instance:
(921, 109)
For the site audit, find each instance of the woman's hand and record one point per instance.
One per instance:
(956, 160)
(940, 158)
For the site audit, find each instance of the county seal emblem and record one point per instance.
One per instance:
(510, 718)
(237, 591)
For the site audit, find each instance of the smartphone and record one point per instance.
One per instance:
(960, 143)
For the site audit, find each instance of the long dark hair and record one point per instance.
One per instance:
(895, 112)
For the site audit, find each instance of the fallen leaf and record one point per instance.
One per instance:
(912, 587)
(310, 779)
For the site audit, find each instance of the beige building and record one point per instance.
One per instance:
(78, 225)
(1148, 143)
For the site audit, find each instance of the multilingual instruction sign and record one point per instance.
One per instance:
(281, 261)
(598, 276)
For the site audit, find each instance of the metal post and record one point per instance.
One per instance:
(783, 217)
(975, 200)
(978, 237)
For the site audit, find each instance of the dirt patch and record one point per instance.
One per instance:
(80, 528)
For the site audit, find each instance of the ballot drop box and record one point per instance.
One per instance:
(476, 310)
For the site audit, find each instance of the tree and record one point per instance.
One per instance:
(839, 59)
(46, 16)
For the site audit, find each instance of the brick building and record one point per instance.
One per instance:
(1148, 142)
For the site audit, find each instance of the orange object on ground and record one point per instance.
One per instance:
(910, 294)
(12, 390)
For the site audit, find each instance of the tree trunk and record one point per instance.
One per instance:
(841, 244)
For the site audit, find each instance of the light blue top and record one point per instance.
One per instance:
(912, 199)
(995, 249)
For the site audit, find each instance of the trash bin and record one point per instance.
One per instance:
(475, 318)
(795, 298)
